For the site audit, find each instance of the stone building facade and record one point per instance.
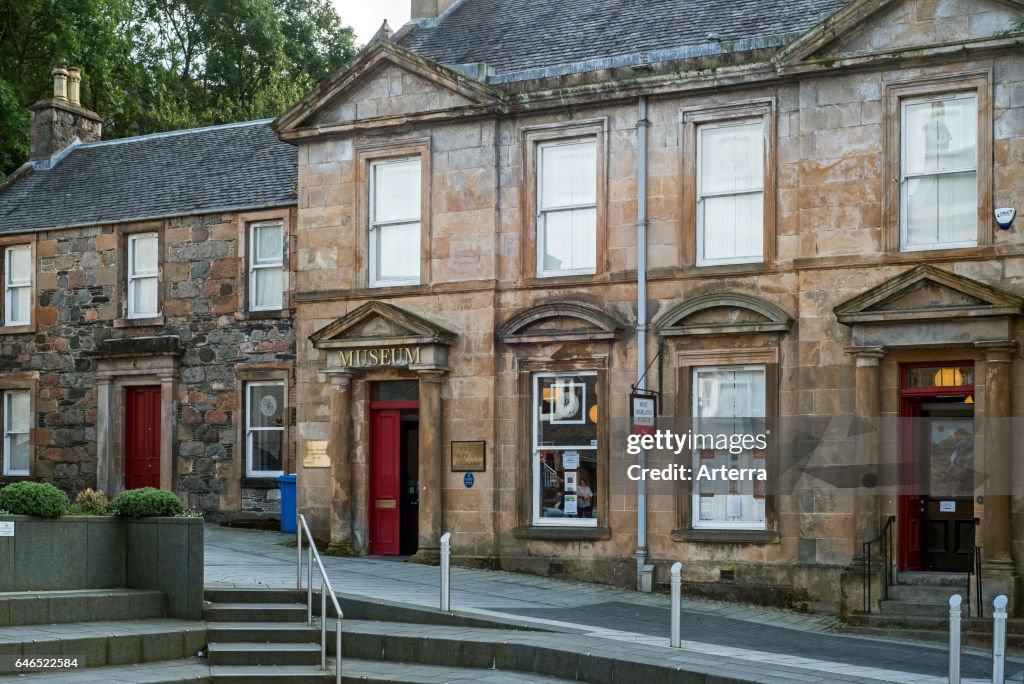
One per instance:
(132, 338)
(467, 324)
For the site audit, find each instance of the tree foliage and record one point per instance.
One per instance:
(156, 65)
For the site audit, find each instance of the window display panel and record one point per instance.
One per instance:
(729, 400)
(565, 441)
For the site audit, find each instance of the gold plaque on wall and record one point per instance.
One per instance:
(314, 454)
(469, 457)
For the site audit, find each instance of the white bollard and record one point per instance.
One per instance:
(999, 640)
(446, 573)
(677, 590)
(954, 638)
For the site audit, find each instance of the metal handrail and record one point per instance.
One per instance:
(973, 567)
(325, 583)
(884, 539)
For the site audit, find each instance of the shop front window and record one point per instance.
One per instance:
(565, 441)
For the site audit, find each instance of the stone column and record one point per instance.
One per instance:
(998, 456)
(431, 464)
(869, 408)
(341, 464)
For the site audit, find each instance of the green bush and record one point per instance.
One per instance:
(34, 498)
(146, 503)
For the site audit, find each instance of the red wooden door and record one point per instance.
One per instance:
(142, 437)
(910, 485)
(385, 482)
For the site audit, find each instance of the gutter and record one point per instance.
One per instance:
(641, 322)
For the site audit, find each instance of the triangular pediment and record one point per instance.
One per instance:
(723, 314)
(559, 322)
(928, 293)
(880, 27)
(378, 324)
(385, 83)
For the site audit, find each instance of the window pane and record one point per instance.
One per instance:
(568, 484)
(733, 227)
(941, 209)
(398, 390)
(19, 266)
(941, 135)
(570, 240)
(265, 449)
(940, 376)
(19, 303)
(18, 408)
(266, 406)
(144, 298)
(269, 247)
(396, 190)
(731, 158)
(144, 259)
(398, 252)
(268, 288)
(566, 411)
(568, 174)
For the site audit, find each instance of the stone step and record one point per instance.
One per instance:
(254, 612)
(251, 595)
(925, 592)
(353, 670)
(262, 632)
(919, 608)
(240, 653)
(82, 605)
(899, 622)
(935, 579)
(191, 670)
(290, 674)
(1014, 642)
(102, 643)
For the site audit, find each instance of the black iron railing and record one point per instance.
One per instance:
(887, 551)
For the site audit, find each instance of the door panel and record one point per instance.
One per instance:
(948, 461)
(910, 500)
(142, 437)
(385, 482)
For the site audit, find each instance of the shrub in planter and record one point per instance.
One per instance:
(92, 501)
(34, 498)
(146, 503)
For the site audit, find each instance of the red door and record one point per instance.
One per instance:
(910, 485)
(385, 482)
(142, 437)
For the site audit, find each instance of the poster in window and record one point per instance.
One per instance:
(570, 402)
(570, 504)
(707, 506)
(570, 482)
(732, 506)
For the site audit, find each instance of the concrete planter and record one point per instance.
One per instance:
(94, 552)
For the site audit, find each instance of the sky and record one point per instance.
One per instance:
(365, 16)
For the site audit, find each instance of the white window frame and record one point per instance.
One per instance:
(701, 196)
(536, 485)
(8, 433)
(132, 276)
(697, 523)
(542, 211)
(905, 177)
(249, 429)
(375, 227)
(13, 285)
(255, 266)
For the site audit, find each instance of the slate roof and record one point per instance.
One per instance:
(178, 173)
(521, 39)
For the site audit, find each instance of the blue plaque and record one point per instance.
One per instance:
(468, 480)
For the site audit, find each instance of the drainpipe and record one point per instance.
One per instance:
(641, 321)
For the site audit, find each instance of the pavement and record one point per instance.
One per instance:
(751, 637)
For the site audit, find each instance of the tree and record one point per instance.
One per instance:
(156, 65)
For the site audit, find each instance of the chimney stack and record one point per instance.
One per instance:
(59, 121)
(429, 9)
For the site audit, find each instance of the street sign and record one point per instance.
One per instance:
(643, 409)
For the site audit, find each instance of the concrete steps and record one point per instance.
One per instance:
(82, 605)
(354, 671)
(190, 671)
(974, 631)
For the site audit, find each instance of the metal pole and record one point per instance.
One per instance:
(954, 638)
(323, 625)
(446, 572)
(641, 322)
(999, 640)
(309, 583)
(298, 557)
(677, 590)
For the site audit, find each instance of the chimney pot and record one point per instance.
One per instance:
(75, 86)
(60, 83)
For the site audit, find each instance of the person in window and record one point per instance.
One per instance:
(586, 498)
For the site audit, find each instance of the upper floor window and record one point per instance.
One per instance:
(266, 266)
(730, 192)
(567, 207)
(16, 424)
(18, 285)
(939, 172)
(143, 275)
(395, 221)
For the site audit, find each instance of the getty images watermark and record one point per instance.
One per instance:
(688, 442)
